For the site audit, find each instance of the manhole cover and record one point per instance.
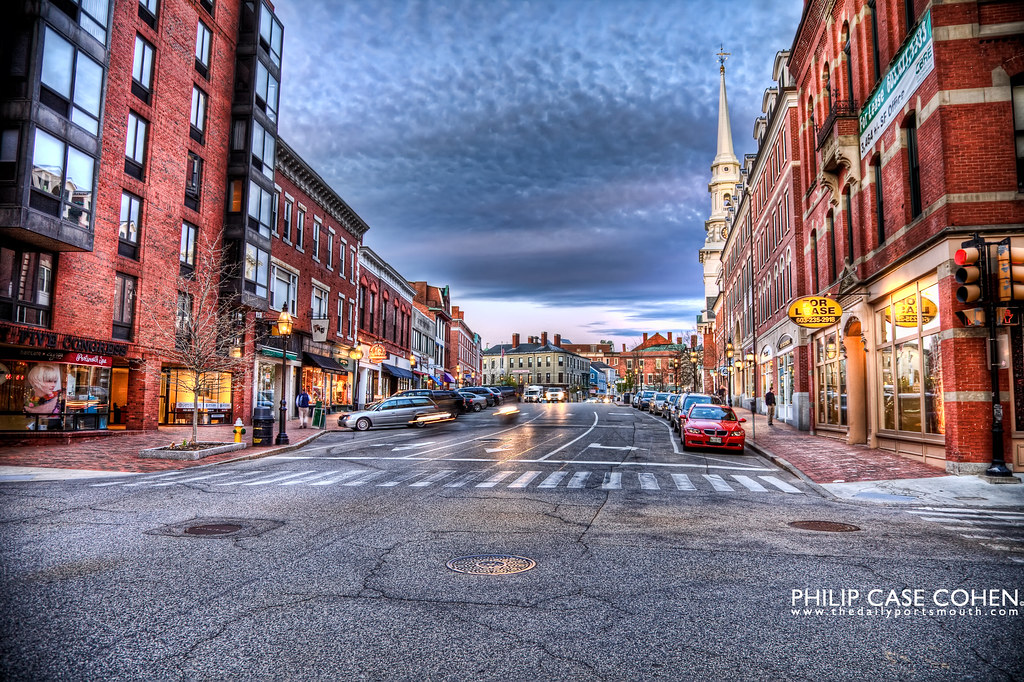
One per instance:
(491, 564)
(213, 529)
(825, 526)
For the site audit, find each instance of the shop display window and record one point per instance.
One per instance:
(53, 396)
(212, 397)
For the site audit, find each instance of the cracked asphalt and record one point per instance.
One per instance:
(339, 569)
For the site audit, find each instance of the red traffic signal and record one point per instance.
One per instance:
(969, 274)
(1009, 272)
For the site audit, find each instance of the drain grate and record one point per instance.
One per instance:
(825, 526)
(491, 564)
(228, 528)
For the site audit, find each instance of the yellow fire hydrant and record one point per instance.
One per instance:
(239, 430)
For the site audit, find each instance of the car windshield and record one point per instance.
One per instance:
(695, 400)
(715, 412)
(661, 396)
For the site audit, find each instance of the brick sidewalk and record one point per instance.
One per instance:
(120, 451)
(830, 460)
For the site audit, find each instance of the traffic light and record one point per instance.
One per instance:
(1009, 272)
(971, 317)
(971, 273)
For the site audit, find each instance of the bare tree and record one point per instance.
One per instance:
(207, 336)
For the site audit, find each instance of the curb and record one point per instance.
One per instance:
(779, 461)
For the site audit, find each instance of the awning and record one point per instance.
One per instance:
(325, 363)
(448, 378)
(276, 353)
(397, 371)
(435, 380)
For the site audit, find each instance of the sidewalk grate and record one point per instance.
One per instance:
(491, 564)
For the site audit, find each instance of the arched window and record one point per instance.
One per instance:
(874, 41)
(814, 261)
(826, 88)
(913, 167)
(848, 63)
(848, 216)
(811, 133)
(831, 218)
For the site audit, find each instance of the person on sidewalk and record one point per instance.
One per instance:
(769, 400)
(302, 402)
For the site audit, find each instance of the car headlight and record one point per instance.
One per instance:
(695, 431)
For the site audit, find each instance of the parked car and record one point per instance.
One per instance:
(507, 392)
(555, 395)
(658, 403)
(684, 404)
(396, 411)
(446, 400)
(499, 397)
(474, 402)
(491, 399)
(644, 401)
(713, 426)
(673, 400)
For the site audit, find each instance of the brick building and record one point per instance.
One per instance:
(537, 362)
(435, 305)
(385, 329)
(464, 350)
(906, 147)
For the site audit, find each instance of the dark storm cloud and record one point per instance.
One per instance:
(556, 152)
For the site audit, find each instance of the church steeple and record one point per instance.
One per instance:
(725, 152)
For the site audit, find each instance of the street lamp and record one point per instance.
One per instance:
(412, 366)
(749, 357)
(355, 354)
(458, 376)
(283, 328)
(693, 362)
(728, 354)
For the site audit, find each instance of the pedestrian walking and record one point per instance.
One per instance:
(769, 400)
(302, 402)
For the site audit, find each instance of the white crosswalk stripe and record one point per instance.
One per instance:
(998, 530)
(564, 479)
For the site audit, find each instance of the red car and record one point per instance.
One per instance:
(713, 426)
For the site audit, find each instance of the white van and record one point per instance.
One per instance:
(555, 395)
(533, 394)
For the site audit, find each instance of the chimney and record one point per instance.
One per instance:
(693, 341)
(679, 340)
(515, 340)
(623, 348)
(543, 338)
(558, 339)
(645, 337)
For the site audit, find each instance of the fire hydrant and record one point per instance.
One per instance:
(239, 430)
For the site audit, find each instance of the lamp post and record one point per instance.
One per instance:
(355, 354)
(412, 366)
(728, 354)
(284, 330)
(693, 362)
(458, 376)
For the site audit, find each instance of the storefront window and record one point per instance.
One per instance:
(910, 361)
(831, 379)
(212, 399)
(53, 396)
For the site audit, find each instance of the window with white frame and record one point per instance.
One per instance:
(256, 270)
(316, 239)
(319, 303)
(300, 229)
(285, 289)
(330, 248)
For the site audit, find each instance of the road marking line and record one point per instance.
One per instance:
(188, 480)
(961, 510)
(495, 479)
(464, 480)
(248, 474)
(402, 478)
(718, 483)
(585, 433)
(524, 480)
(781, 485)
(339, 477)
(553, 480)
(648, 481)
(367, 477)
(433, 478)
(308, 479)
(683, 482)
(612, 481)
(413, 447)
(579, 479)
(750, 484)
(612, 447)
(277, 477)
(153, 478)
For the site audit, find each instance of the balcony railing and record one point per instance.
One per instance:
(840, 109)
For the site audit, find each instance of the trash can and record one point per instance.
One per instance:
(262, 426)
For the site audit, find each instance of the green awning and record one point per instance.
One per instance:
(275, 353)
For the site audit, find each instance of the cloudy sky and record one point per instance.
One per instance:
(546, 159)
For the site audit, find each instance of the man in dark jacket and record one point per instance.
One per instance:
(769, 400)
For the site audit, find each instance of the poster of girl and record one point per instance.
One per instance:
(43, 394)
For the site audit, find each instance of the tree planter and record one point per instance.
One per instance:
(200, 450)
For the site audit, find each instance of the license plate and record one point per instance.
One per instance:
(714, 439)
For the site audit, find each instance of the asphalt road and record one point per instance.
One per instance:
(332, 563)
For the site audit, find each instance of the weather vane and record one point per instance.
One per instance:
(722, 56)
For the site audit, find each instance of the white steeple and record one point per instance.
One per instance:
(725, 152)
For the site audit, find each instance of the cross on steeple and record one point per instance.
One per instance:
(722, 56)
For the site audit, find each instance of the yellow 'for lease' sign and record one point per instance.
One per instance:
(815, 312)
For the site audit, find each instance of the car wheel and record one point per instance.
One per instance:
(362, 424)
(418, 423)
(476, 407)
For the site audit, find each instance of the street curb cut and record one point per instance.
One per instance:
(275, 451)
(771, 456)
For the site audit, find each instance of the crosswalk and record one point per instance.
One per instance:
(997, 529)
(490, 478)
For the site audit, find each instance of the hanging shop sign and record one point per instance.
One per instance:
(319, 329)
(904, 312)
(815, 312)
(378, 353)
(912, 65)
